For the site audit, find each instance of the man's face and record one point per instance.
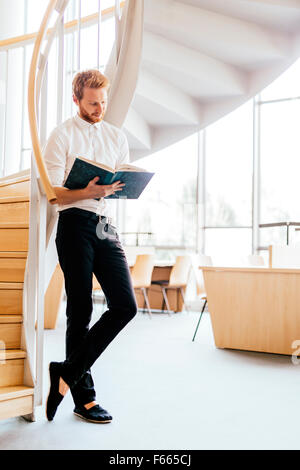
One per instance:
(93, 104)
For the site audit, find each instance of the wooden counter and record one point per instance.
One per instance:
(255, 309)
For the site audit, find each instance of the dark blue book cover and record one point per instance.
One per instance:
(82, 172)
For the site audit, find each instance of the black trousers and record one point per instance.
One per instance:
(84, 248)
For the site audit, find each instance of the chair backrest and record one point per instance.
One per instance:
(141, 273)
(284, 256)
(201, 260)
(180, 272)
(255, 260)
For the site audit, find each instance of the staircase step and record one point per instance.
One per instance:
(11, 319)
(14, 199)
(16, 391)
(14, 236)
(283, 15)
(13, 254)
(193, 72)
(13, 225)
(138, 131)
(12, 367)
(13, 187)
(244, 44)
(12, 210)
(10, 336)
(15, 401)
(12, 266)
(20, 176)
(160, 103)
(11, 298)
(12, 354)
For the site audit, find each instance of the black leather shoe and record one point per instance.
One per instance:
(96, 414)
(54, 397)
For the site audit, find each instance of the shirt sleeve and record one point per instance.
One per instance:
(124, 150)
(55, 156)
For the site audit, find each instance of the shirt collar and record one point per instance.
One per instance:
(84, 124)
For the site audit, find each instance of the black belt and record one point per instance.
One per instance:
(87, 214)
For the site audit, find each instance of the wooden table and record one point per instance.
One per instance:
(254, 309)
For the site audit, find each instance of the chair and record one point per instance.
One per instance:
(178, 280)
(255, 260)
(202, 260)
(141, 275)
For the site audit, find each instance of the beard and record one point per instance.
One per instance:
(91, 118)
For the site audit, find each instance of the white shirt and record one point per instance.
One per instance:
(101, 142)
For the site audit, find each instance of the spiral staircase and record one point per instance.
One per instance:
(177, 66)
(201, 59)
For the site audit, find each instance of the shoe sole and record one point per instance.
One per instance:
(92, 420)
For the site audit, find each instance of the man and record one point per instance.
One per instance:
(82, 251)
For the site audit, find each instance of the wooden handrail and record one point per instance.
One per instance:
(45, 180)
(18, 41)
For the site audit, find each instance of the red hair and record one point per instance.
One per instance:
(89, 78)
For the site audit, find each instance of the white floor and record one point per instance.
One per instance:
(166, 392)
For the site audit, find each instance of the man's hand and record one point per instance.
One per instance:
(91, 191)
(94, 190)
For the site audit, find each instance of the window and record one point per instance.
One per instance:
(228, 162)
(280, 161)
(168, 208)
(279, 144)
(285, 86)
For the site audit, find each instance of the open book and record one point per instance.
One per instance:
(84, 170)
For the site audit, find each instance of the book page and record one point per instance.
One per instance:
(100, 165)
(128, 167)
